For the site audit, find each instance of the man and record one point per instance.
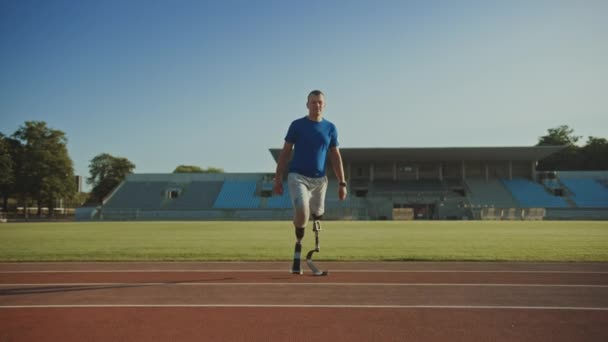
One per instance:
(313, 137)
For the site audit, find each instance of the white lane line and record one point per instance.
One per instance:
(519, 263)
(286, 271)
(299, 284)
(305, 306)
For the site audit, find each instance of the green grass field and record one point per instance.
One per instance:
(340, 240)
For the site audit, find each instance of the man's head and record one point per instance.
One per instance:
(315, 103)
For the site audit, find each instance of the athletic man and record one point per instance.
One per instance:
(312, 136)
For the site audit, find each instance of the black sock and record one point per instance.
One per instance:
(299, 234)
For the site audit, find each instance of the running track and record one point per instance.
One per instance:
(373, 301)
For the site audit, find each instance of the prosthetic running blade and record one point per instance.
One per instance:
(315, 271)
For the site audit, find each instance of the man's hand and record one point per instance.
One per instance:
(278, 186)
(342, 192)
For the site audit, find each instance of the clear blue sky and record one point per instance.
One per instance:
(216, 83)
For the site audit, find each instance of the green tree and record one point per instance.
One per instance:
(595, 154)
(562, 135)
(196, 169)
(15, 187)
(7, 171)
(212, 169)
(45, 170)
(570, 158)
(188, 169)
(107, 172)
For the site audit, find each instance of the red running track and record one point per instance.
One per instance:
(394, 301)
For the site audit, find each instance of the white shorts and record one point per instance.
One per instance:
(307, 197)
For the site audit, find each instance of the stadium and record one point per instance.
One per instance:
(453, 183)
(147, 192)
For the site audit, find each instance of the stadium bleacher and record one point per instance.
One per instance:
(492, 192)
(587, 192)
(237, 194)
(195, 196)
(440, 183)
(148, 197)
(533, 195)
(403, 186)
(551, 184)
(141, 195)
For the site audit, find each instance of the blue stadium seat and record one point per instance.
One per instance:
(492, 193)
(237, 195)
(138, 195)
(586, 192)
(533, 195)
(195, 196)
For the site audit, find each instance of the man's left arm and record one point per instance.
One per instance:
(336, 162)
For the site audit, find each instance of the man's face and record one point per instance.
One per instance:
(315, 104)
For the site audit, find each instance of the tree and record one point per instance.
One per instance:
(569, 158)
(45, 170)
(212, 169)
(7, 171)
(15, 187)
(196, 169)
(595, 154)
(562, 135)
(188, 169)
(107, 172)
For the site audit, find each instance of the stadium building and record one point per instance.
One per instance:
(490, 183)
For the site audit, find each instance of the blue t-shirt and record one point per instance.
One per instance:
(311, 141)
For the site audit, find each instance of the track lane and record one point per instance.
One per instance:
(300, 324)
(337, 276)
(259, 302)
(285, 265)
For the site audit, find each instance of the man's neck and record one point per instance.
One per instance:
(314, 117)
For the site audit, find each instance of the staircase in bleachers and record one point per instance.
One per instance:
(238, 194)
(533, 195)
(556, 187)
(587, 192)
(552, 184)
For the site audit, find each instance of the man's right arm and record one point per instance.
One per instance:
(281, 166)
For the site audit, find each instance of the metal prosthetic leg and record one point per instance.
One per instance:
(315, 271)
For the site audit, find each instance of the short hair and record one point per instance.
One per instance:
(314, 93)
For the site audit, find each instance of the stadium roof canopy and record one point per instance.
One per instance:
(437, 154)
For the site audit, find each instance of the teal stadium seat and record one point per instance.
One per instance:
(490, 193)
(587, 192)
(195, 196)
(533, 195)
(237, 195)
(138, 195)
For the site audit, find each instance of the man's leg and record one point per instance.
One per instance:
(297, 254)
(300, 200)
(317, 199)
(317, 208)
